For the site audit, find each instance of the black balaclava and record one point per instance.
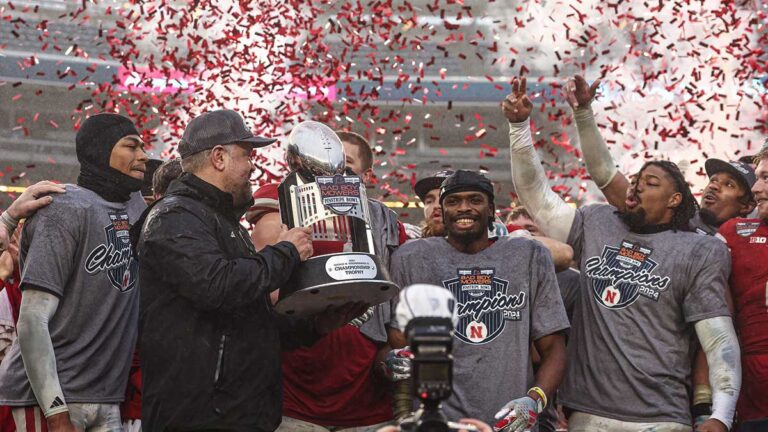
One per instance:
(94, 143)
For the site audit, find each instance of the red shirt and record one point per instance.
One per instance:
(746, 238)
(331, 383)
(748, 242)
(130, 408)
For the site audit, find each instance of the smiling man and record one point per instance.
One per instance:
(507, 300)
(210, 339)
(79, 308)
(748, 242)
(428, 191)
(648, 288)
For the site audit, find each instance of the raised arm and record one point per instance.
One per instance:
(597, 157)
(552, 214)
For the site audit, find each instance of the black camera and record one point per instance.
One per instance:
(431, 342)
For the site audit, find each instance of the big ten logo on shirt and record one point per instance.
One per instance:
(483, 304)
(114, 256)
(620, 275)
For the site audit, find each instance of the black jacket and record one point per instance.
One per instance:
(209, 339)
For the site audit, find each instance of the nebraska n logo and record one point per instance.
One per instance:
(620, 275)
(115, 255)
(483, 304)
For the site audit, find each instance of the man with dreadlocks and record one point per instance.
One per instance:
(648, 286)
(726, 196)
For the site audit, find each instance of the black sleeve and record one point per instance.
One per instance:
(182, 250)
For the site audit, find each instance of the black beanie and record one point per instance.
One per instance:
(464, 180)
(94, 143)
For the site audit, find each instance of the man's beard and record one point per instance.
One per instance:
(708, 217)
(635, 220)
(433, 229)
(241, 196)
(467, 237)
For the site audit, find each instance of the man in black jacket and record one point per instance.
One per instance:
(210, 341)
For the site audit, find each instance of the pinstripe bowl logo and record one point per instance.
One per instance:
(339, 193)
(483, 304)
(620, 275)
(114, 257)
(746, 229)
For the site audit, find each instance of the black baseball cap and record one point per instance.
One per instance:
(742, 172)
(463, 181)
(219, 127)
(423, 186)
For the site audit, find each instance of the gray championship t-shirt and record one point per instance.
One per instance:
(569, 282)
(78, 248)
(630, 347)
(506, 297)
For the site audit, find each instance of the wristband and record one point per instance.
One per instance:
(9, 222)
(702, 394)
(701, 409)
(541, 394)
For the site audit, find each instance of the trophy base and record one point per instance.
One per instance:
(333, 280)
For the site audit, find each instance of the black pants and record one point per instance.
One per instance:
(754, 426)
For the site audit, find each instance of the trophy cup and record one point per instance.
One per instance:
(317, 194)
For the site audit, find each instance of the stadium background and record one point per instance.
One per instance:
(422, 80)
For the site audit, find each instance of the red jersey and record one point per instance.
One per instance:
(331, 383)
(130, 408)
(748, 241)
(746, 238)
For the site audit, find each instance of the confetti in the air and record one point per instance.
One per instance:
(421, 80)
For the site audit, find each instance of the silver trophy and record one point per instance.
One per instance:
(317, 194)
